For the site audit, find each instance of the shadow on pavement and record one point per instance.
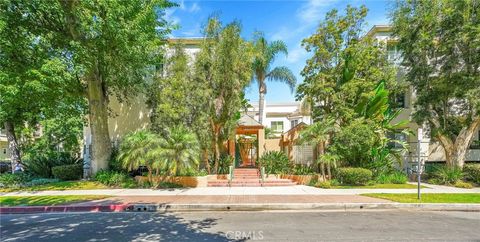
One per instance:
(106, 227)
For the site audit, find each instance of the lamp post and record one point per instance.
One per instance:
(419, 164)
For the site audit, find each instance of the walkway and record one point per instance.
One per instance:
(245, 191)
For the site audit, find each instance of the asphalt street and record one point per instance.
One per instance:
(242, 226)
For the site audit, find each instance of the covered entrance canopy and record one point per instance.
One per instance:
(248, 144)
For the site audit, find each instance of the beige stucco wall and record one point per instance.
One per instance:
(272, 144)
(128, 116)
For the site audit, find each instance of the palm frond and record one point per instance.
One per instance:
(283, 74)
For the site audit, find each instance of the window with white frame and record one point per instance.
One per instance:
(277, 126)
(293, 123)
(393, 53)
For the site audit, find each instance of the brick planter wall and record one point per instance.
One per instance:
(186, 181)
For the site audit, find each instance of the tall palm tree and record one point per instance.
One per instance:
(180, 150)
(265, 54)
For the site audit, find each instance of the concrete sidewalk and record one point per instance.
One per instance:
(235, 199)
(245, 191)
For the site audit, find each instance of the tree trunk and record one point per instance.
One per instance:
(12, 144)
(329, 173)
(216, 147)
(98, 118)
(322, 168)
(455, 152)
(262, 90)
(205, 160)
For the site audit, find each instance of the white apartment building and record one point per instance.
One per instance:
(431, 151)
(281, 117)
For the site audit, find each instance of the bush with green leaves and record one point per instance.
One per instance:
(447, 175)
(353, 175)
(396, 177)
(275, 162)
(300, 169)
(193, 172)
(462, 184)
(41, 181)
(68, 172)
(41, 165)
(354, 142)
(16, 180)
(224, 164)
(115, 179)
(472, 172)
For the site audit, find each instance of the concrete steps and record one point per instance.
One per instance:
(249, 177)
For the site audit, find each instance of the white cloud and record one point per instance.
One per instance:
(313, 10)
(182, 6)
(296, 54)
(194, 8)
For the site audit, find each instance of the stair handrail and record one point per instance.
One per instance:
(230, 173)
(262, 173)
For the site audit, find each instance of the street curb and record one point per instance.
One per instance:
(318, 206)
(63, 209)
(243, 207)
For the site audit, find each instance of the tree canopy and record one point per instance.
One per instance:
(440, 44)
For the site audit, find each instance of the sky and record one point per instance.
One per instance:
(287, 20)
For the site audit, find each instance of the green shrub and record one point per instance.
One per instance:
(224, 164)
(472, 172)
(354, 141)
(398, 178)
(68, 172)
(115, 164)
(275, 162)
(115, 179)
(433, 181)
(324, 184)
(448, 175)
(193, 172)
(41, 165)
(299, 169)
(41, 181)
(462, 184)
(334, 182)
(353, 175)
(16, 180)
(395, 177)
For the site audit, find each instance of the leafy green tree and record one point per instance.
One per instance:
(378, 109)
(36, 85)
(440, 46)
(110, 46)
(265, 54)
(176, 99)
(223, 67)
(345, 65)
(354, 142)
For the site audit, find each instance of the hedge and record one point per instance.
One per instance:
(68, 172)
(353, 175)
(472, 172)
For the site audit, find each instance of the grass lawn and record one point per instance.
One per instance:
(377, 186)
(46, 200)
(63, 185)
(429, 197)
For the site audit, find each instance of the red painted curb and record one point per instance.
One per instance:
(65, 209)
